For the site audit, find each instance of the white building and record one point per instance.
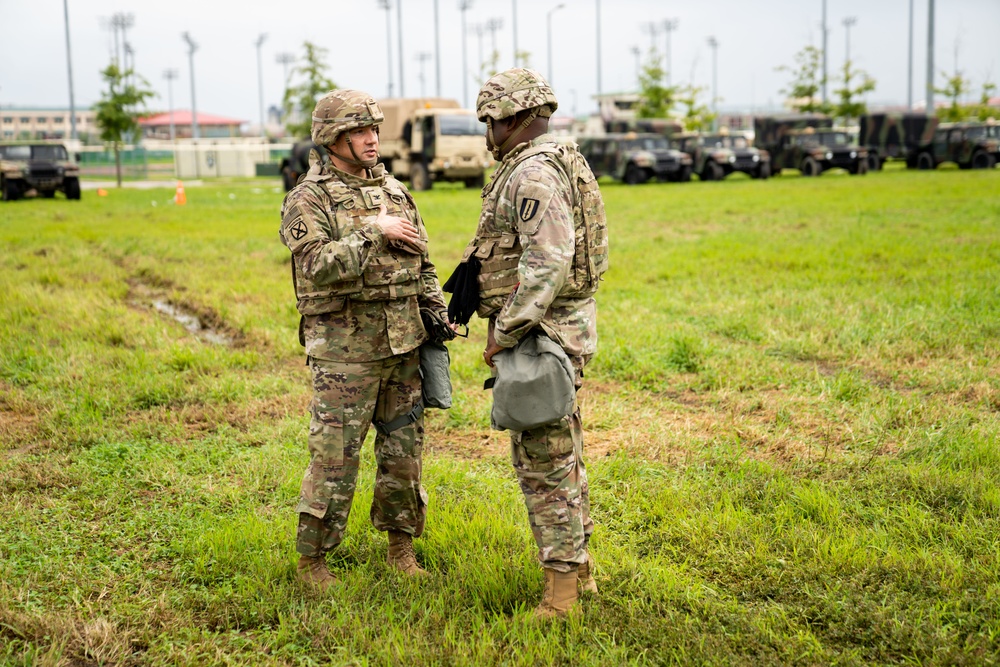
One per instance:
(27, 124)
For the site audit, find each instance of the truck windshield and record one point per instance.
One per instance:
(15, 152)
(975, 133)
(647, 144)
(722, 141)
(48, 153)
(461, 126)
(832, 138)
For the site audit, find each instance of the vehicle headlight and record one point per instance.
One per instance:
(829, 156)
(732, 158)
(756, 158)
(854, 154)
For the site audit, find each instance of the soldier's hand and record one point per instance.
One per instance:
(396, 228)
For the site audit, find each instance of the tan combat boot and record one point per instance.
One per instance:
(312, 571)
(401, 554)
(585, 576)
(560, 594)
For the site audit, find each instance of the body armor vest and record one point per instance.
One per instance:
(392, 274)
(498, 246)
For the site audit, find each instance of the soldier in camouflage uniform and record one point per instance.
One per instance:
(361, 275)
(542, 244)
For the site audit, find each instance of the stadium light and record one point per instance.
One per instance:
(260, 82)
(387, 6)
(192, 47)
(69, 69)
(669, 25)
(464, 6)
(548, 20)
(170, 75)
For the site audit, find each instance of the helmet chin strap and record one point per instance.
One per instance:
(498, 151)
(355, 160)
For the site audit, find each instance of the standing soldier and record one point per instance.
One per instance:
(542, 247)
(362, 277)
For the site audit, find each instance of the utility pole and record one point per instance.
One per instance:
(192, 47)
(548, 20)
(598, 3)
(69, 69)
(260, 83)
(849, 22)
(387, 6)
(714, 43)
(909, 65)
(653, 29)
(669, 26)
(930, 57)
(437, 53)
(170, 75)
(514, 28)
(423, 57)
(824, 52)
(493, 25)
(636, 51)
(399, 34)
(463, 6)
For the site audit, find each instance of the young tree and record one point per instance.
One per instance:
(118, 111)
(697, 116)
(954, 88)
(856, 82)
(807, 80)
(656, 99)
(300, 100)
(983, 110)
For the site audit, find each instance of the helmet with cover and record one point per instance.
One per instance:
(343, 110)
(514, 90)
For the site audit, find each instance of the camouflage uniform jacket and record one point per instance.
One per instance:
(533, 200)
(338, 251)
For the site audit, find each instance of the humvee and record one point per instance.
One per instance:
(970, 145)
(37, 169)
(635, 158)
(715, 156)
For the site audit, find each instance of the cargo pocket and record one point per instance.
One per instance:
(326, 437)
(551, 514)
(544, 444)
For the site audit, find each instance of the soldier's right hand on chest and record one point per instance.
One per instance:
(401, 232)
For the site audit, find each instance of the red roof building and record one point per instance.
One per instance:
(209, 126)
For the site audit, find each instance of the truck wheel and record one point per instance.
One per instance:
(874, 163)
(420, 180)
(684, 176)
(763, 172)
(711, 172)
(810, 167)
(72, 188)
(982, 160)
(634, 174)
(10, 190)
(925, 161)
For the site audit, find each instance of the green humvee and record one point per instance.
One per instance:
(635, 157)
(970, 145)
(39, 169)
(715, 156)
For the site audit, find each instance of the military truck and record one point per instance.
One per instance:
(972, 145)
(809, 143)
(37, 169)
(715, 156)
(296, 164)
(895, 136)
(635, 157)
(429, 140)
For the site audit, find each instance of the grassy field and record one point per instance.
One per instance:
(792, 436)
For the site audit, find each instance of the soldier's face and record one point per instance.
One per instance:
(363, 141)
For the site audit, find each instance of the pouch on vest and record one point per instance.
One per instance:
(435, 375)
(533, 384)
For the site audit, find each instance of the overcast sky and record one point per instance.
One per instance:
(754, 37)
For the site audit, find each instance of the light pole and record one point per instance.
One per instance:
(399, 46)
(285, 59)
(170, 75)
(848, 21)
(192, 47)
(479, 29)
(423, 57)
(824, 51)
(493, 25)
(636, 51)
(909, 64)
(929, 109)
(653, 29)
(463, 6)
(514, 28)
(714, 43)
(260, 82)
(598, 2)
(669, 25)
(548, 20)
(437, 53)
(387, 6)
(69, 69)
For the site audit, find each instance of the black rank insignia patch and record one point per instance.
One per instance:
(528, 209)
(298, 230)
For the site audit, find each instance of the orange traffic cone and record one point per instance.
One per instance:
(101, 192)
(180, 198)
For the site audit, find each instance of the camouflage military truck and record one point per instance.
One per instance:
(37, 169)
(635, 158)
(715, 156)
(970, 145)
(895, 136)
(297, 163)
(809, 143)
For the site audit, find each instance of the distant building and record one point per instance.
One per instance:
(209, 126)
(32, 123)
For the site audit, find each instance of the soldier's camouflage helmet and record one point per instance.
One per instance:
(342, 110)
(515, 90)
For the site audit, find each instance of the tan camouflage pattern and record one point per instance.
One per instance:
(360, 297)
(348, 396)
(342, 110)
(549, 464)
(514, 90)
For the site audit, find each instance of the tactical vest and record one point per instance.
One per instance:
(392, 274)
(499, 250)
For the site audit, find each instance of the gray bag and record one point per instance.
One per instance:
(533, 384)
(436, 380)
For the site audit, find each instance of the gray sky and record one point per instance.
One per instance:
(754, 36)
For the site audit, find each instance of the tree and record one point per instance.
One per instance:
(697, 116)
(856, 82)
(118, 111)
(983, 110)
(954, 88)
(300, 100)
(807, 80)
(656, 99)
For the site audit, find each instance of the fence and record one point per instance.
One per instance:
(163, 160)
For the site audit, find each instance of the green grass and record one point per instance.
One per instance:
(792, 428)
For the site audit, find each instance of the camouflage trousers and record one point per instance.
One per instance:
(549, 464)
(347, 399)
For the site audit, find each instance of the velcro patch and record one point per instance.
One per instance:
(530, 203)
